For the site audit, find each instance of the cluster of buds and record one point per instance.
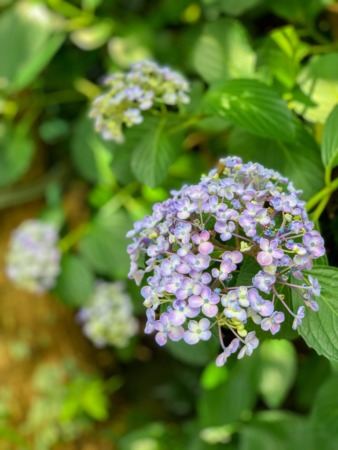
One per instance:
(195, 246)
(108, 317)
(33, 259)
(146, 86)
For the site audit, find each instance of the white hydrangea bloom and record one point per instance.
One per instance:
(147, 85)
(33, 259)
(108, 317)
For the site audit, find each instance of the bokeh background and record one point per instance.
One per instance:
(60, 391)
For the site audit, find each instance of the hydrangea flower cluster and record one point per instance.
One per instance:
(146, 86)
(33, 259)
(241, 222)
(108, 319)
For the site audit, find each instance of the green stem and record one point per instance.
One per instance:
(73, 237)
(327, 176)
(331, 187)
(186, 124)
(320, 208)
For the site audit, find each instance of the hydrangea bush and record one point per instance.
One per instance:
(33, 259)
(108, 317)
(147, 86)
(195, 246)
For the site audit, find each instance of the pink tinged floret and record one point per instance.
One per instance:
(231, 348)
(298, 318)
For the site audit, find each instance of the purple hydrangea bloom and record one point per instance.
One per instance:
(240, 222)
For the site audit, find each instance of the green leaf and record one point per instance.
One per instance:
(330, 140)
(255, 107)
(153, 153)
(324, 413)
(33, 41)
(76, 281)
(320, 329)
(276, 430)
(90, 153)
(319, 81)
(278, 370)
(237, 7)
(232, 400)
(298, 10)
(16, 152)
(104, 246)
(282, 52)
(223, 51)
(298, 160)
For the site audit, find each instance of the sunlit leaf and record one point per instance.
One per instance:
(223, 51)
(330, 140)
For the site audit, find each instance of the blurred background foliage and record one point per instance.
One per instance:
(264, 86)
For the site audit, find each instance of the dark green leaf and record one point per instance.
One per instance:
(223, 51)
(153, 153)
(324, 414)
(298, 160)
(76, 281)
(320, 329)
(297, 10)
(330, 140)
(237, 7)
(274, 430)
(254, 106)
(232, 400)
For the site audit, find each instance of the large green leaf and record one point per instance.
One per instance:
(254, 106)
(276, 430)
(319, 81)
(278, 370)
(104, 246)
(153, 153)
(16, 152)
(233, 399)
(330, 140)
(76, 282)
(223, 51)
(29, 38)
(320, 329)
(196, 355)
(298, 10)
(298, 160)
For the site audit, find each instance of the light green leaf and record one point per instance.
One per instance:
(16, 152)
(298, 160)
(76, 281)
(223, 51)
(153, 153)
(278, 370)
(91, 155)
(320, 329)
(104, 246)
(254, 106)
(34, 39)
(282, 52)
(276, 430)
(330, 140)
(319, 81)
(92, 37)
